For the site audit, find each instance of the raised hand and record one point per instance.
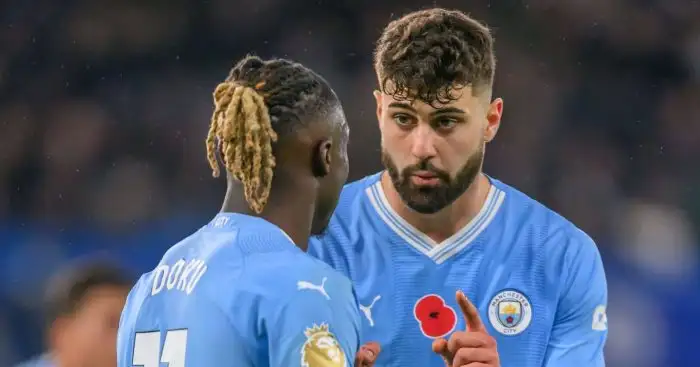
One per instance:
(473, 347)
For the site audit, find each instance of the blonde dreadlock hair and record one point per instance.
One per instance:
(259, 100)
(241, 124)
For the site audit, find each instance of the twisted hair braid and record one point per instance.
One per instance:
(259, 101)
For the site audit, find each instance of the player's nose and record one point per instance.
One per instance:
(423, 142)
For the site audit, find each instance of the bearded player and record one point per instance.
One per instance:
(433, 225)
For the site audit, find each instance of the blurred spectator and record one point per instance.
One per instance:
(83, 306)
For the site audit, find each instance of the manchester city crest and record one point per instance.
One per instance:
(510, 312)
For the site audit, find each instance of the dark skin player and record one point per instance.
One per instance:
(278, 124)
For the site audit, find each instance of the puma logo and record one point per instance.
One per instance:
(302, 284)
(367, 310)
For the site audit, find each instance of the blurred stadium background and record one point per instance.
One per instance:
(104, 106)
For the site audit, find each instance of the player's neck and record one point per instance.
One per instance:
(445, 223)
(284, 209)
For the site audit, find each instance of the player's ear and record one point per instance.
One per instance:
(493, 119)
(322, 158)
(378, 98)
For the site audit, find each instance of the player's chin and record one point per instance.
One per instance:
(424, 200)
(424, 205)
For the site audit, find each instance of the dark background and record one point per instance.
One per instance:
(104, 107)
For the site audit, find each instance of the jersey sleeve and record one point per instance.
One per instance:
(314, 330)
(580, 327)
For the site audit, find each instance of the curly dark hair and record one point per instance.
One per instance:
(258, 101)
(68, 288)
(431, 54)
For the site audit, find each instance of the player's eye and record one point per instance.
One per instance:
(445, 123)
(402, 119)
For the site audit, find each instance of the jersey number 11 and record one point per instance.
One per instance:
(147, 351)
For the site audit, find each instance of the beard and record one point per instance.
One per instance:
(432, 199)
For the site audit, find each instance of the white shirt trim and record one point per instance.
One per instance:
(438, 252)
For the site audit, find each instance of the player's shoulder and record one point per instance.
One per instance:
(547, 226)
(280, 277)
(272, 284)
(224, 252)
(229, 236)
(356, 186)
(355, 191)
(348, 213)
(349, 220)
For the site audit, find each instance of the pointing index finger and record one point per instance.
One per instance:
(470, 312)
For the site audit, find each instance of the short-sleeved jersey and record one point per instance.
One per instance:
(238, 292)
(537, 280)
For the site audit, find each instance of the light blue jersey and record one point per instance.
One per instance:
(537, 280)
(43, 360)
(239, 293)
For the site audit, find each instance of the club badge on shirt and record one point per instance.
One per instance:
(510, 312)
